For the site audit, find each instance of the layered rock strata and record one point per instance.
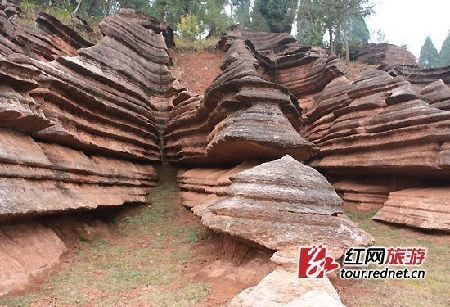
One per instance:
(241, 117)
(87, 125)
(437, 94)
(426, 208)
(375, 131)
(280, 205)
(378, 123)
(386, 55)
(417, 75)
(49, 40)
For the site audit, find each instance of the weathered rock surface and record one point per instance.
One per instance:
(241, 117)
(385, 54)
(46, 42)
(283, 288)
(280, 205)
(375, 131)
(88, 125)
(426, 208)
(27, 251)
(378, 123)
(417, 75)
(437, 94)
(40, 178)
(301, 69)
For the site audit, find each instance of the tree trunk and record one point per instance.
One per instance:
(77, 8)
(330, 31)
(347, 50)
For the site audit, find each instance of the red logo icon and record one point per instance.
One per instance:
(314, 262)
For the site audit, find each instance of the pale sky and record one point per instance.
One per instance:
(409, 22)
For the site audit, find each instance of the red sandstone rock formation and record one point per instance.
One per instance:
(375, 131)
(241, 117)
(377, 123)
(426, 208)
(27, 251)
(86, 124)
(280, 205)
(417, 75)
(50, 40)
(386, 55)
(437, 94)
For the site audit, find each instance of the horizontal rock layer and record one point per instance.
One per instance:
(88, 125)
(385, 54)
(241, 117)
(300, 68)
(49, 40)
(38, 178)
(437, 94)
(378, 123)
(280, 205)
(418, 75)
(426, 208)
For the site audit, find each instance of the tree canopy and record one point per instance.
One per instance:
(444, 54)
(429, 56)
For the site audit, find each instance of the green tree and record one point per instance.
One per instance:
(189, 27)
(214, 18)
(310, 23)
(342, 19)
(429, 57)
(444, 54)
(274, 15)
(240, 12)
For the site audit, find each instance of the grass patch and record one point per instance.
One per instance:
(141, 266)
(433, 291)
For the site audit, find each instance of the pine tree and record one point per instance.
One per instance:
(444, 54)
(429, 57)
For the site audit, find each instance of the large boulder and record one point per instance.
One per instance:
(282, 288)
(280, 205)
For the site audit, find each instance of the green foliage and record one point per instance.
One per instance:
(310, 25)
(189, 27)
(429, 57)
(275, 15)
(444, 54)
(214, 19)
(342, 19)
(241, 12)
